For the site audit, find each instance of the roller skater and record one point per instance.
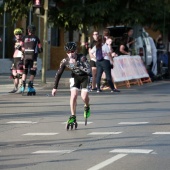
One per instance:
(80, 68)
(31, 46)
(17, 66)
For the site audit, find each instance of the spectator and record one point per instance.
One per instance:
(93, 60)
(104, 64)
(123, 48)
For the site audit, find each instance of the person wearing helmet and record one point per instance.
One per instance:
(31, 46)
(80, 68)
(17, 66)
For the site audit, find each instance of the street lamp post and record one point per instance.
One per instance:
(45, 42)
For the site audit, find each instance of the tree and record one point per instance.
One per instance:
(81, 14)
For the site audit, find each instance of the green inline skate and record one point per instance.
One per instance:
(86, 113)
(71, 122)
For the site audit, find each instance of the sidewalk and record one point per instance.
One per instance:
(6, 84)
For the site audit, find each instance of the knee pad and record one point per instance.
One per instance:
(33, 72)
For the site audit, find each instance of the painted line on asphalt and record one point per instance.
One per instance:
(144, 151)
(132, 123)
(52, 151)
(161, 133)
(22, 122)
(80, 123)
(104, 133)
(107, 162)
(40, 134)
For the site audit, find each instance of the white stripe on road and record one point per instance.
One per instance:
(21, 122)
(104, 133)
(40, 134)
(53, 151)
(132, 123)
(144, 151)
(161, 133)
(79, 123)
(107, 162)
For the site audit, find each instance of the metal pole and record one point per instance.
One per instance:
(30, 16)
(45, 41)
(4, 34)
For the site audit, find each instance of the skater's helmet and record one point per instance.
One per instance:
(17, 31)
(31, 29)
(70, 46)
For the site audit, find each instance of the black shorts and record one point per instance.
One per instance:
(17, 62)
(92, 63)
(80, 81)
(28, 63)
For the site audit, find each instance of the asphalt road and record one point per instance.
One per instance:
(126, 131)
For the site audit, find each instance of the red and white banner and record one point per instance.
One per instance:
(128, 68)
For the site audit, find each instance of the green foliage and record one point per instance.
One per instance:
(80, 14)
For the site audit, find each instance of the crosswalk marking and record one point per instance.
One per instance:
(18, 122)
(80, 123)
(144, 151)
(161, 133)
(53, 151)
(104, 133)
(132, 123)
(107, 162)
(40, 134)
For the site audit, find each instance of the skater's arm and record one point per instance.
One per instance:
(59, 73)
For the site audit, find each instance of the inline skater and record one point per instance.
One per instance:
(80, 68)
(31, 46)
(17, 66)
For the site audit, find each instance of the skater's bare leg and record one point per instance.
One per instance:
(73, 100)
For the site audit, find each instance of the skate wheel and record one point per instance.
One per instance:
(34, 93)
(76, 125)
(72, 126)
(67, 126)
(85, 121)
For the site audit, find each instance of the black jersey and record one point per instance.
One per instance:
(81, 67)
(31, 42)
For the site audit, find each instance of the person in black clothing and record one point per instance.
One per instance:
(31, 46)
(80, 68)
(123, 48)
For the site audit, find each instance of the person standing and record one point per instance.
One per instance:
(31, 46)
(80, 68)
(104, 65)
(17, 66)
(93, 60)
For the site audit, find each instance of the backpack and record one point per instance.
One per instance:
(99, 54)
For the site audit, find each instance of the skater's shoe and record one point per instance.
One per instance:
(22, 88)
(71, 122)
(13, 91)
(86, 111)
(31, 90)
(19, 91)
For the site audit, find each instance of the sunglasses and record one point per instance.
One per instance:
(70, 52)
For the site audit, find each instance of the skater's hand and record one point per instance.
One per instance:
(54, 92)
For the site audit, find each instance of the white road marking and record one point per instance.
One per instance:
(132, 123)
(18, 122)
(80, 123)
(107, 162)
(144, 151)
(161, 133)
(40, 134)
(104, 133)
(52, 151)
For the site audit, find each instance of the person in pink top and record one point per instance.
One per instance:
(17, 66)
